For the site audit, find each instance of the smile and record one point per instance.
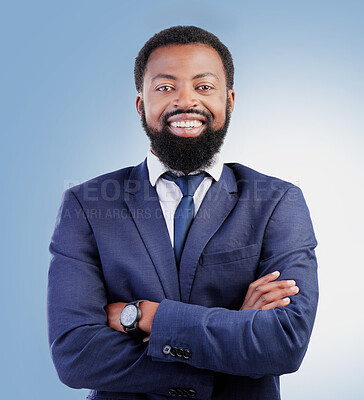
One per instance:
(186, 124)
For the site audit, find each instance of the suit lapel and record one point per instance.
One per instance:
(143, 203)
(216, 206)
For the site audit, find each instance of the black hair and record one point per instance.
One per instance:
(182, 35)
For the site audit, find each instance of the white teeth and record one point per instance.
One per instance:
(186, 124)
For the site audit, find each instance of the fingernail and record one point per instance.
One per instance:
(294, 289)
(275, 273)
(291, 283)
(286, 300)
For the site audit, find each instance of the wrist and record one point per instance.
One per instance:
(148, 310)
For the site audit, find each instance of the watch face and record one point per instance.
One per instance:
(129, 315)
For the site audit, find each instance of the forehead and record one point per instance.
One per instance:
(184, 61)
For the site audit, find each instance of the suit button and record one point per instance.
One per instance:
(172, 391)
(166, 349)
(179, 352)
(179, 392)
(192, 392)
(187, 354)
(173, 351)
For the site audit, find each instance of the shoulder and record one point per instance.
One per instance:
(117, 178)
(269, 195)
(108, 187)
(248, 178)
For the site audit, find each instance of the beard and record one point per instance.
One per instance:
(186, 153)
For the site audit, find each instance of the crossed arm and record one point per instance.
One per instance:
(77, 321)
(265, 293)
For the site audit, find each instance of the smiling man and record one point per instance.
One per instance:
(183, 104)
(194, 278)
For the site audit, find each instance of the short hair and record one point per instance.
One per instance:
(181, 35)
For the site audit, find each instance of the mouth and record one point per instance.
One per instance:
(186, 125)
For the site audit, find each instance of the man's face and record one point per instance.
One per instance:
(185, 105)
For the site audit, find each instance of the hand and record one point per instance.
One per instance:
(147, 308)
(113, 312)
(264, 294)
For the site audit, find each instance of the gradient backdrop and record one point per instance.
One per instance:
(68, 114)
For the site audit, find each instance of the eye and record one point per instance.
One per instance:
(205, 88)
(164, 88)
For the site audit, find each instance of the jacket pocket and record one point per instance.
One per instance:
(236, 254)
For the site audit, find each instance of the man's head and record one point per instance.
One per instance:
(184, 77)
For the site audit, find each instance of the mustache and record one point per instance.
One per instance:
(189, 111)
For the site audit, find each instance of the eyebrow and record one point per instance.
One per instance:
(165, 76)
(173, 78)
(204, 75)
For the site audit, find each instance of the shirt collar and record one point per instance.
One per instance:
(156, 168)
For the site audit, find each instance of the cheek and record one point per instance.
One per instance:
(218, 108)
(219, 114)
(153, 113)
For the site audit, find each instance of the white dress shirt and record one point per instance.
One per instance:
(170, 194)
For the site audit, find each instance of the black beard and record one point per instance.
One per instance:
(186, 153)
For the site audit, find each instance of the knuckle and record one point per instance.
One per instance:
(263, 298)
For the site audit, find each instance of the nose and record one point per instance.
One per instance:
(185, 98)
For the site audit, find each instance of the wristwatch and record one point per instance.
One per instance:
(130, 317)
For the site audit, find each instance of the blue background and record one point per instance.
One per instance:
(68, 114)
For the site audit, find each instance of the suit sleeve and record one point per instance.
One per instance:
(252, 343)
(85, 351)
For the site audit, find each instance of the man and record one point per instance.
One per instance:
(163, 279)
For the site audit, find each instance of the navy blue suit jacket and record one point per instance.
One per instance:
(111, 244)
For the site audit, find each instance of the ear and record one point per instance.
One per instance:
(138, 103)
(231, 97)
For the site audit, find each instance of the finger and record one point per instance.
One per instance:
(279, 303)
(146, 339)
(280, 288)
(276, 295)
(260, 282)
